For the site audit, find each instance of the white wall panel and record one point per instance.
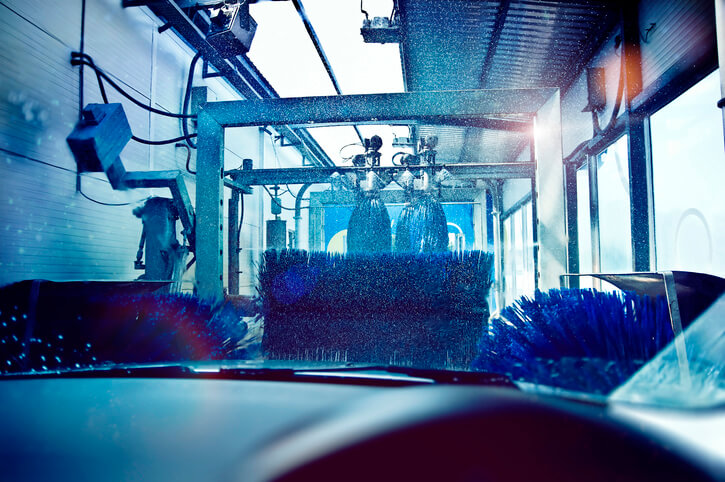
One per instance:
(48, 229)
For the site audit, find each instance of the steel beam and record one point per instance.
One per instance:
(304, 175)
(393, 196)
(407, 107)
(641, 193)
(209, 207)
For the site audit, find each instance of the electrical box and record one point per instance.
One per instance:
(596, 90)
(277, 234)
(98, 139)
(231, 29)
(380, 30)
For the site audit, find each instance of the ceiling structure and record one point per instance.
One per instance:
(458, 44)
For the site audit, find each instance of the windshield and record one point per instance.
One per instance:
(529, 189)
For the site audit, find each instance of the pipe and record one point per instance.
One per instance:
(298, 214)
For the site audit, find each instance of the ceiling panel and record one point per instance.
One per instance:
(457, 44)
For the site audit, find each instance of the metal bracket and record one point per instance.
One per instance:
(289, 144)
(206, 74)
(174, 180)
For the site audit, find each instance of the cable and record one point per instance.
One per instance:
(84, 59)
(187, 98)
(399, 153)
(188, 158)
(274, 200)
(82, 49)
(363, 10)
(80, 191)
(104, 96)
(348, 145)
(23, 156)
(163, 142)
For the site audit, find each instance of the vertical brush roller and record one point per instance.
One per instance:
(425, 223)
(402, 229)
(428, 226)
(369, 227)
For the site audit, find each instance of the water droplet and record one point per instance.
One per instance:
(78, 365)
(8, 362)
(12, 318)
(44, 367)
(88, 345)
(42, 357)
(57, 359)
(60, 337)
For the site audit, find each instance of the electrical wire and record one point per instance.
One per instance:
(348, 145)
(367, 17)
(77, 59)
(80, 191)
(399, 153)
(163, 142)
(274, 200)
(140, 140)
(82, 51)
(188, 158)
(187, 98)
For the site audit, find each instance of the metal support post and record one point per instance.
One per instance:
(640, 193)
(209, 204)
(497, 196)
(638, 142)
(572, 227)
(233, 244)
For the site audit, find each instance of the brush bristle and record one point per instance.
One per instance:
(369, 227)
(581, 340)
(374, 307)
(122, 328)
(428, 227)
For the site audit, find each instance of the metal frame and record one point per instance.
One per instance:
(239, 71)
(304, 175)
(431, 107)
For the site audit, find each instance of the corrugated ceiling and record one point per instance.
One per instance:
(458, 44)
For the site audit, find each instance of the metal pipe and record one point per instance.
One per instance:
(298, 214)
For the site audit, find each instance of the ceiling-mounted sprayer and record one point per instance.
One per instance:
(228, 25)
(426, 149)
(371, 157)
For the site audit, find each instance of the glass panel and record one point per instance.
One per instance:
(614, 217)
(526, 278)
(688, 167)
